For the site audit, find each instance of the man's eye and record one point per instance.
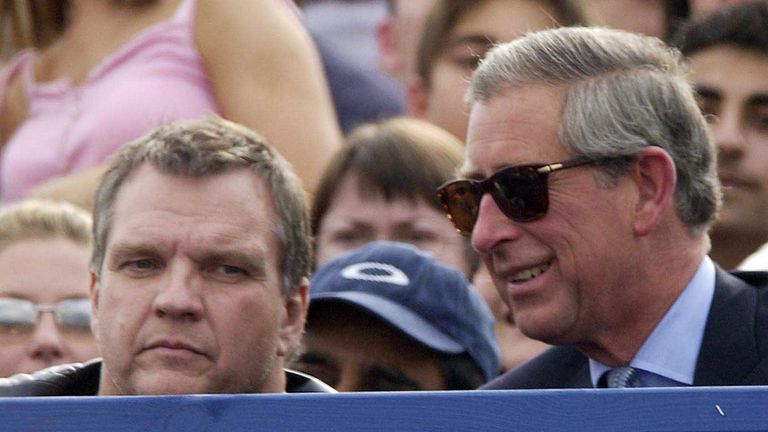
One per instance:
(229, 270)
(709, 108)
(349, 237)
(140, 267)
(421, 236)
(319, 367)
(759, 122)
(227, 273)
(466, 62)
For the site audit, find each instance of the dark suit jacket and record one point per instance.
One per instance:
(82, 379)
(734, 350)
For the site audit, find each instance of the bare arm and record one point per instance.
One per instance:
(266, 74)
(77, 188)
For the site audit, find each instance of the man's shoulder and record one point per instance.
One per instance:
(82, 379)
(752, 278)
(557, 367)
(734, 350)
(297, 382)
(748, 289)
(75, 379)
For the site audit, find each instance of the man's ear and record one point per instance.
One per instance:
(292, 325)
(94, 294)
(416, 97)
(655, 178)
(389, 59)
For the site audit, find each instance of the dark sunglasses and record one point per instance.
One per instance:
(19, 316)
(520, 192)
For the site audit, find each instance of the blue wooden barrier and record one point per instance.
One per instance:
(691, 409)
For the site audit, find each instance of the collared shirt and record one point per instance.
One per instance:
(673, 347)
(758, 261)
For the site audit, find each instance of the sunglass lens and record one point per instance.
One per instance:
(521, 195)
(16, 313)
(461, 200)
(74, 313)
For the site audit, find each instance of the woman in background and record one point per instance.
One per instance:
(44, 306)
(102, 72)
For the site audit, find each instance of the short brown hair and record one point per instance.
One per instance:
(446, 14)
(396, 158)
(207, 147)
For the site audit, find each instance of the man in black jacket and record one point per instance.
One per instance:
(199, 270)
(591, 184)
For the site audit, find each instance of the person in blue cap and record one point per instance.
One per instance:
(388, 317)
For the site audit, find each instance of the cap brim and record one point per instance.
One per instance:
(395, 315)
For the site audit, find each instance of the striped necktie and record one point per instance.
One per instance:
(623, 377)
(628, 376)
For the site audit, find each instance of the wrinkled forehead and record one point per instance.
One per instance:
(231, 207)
(728, 72)
(519, 126)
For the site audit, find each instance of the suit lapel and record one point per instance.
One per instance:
(729, 351)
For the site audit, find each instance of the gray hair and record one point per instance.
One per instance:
(624, 92)
(208, 147)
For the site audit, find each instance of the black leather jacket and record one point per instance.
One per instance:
(82, 379)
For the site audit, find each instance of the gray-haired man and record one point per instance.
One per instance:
(591, 185)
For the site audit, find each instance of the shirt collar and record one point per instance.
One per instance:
(673, 347)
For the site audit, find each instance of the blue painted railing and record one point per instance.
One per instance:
(691, 409)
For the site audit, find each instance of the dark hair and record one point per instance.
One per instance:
(397, 158)
(37, 23)
(743, 25)
(460, 372)
(446, 14)
(675, 14)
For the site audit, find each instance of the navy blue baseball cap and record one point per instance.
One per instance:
(432, 304)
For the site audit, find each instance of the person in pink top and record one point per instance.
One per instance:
(115, 69)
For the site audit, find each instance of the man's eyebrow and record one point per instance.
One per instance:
(469, 39)
(472, 174)
(255, 262)
(758, 99)
(393, 376)
(18, 295)
(708, 92)
(132, 249)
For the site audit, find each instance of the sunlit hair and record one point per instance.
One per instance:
(624, 92)
(208, 147)
(32, 220)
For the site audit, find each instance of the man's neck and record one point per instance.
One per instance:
(651, 291)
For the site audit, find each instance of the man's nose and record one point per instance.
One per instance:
(492, 226)
(46, 345)
(349, 381)
(177, 296)
(729, 136)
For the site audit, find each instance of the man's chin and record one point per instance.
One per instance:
(542, 329)
(169, 383)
